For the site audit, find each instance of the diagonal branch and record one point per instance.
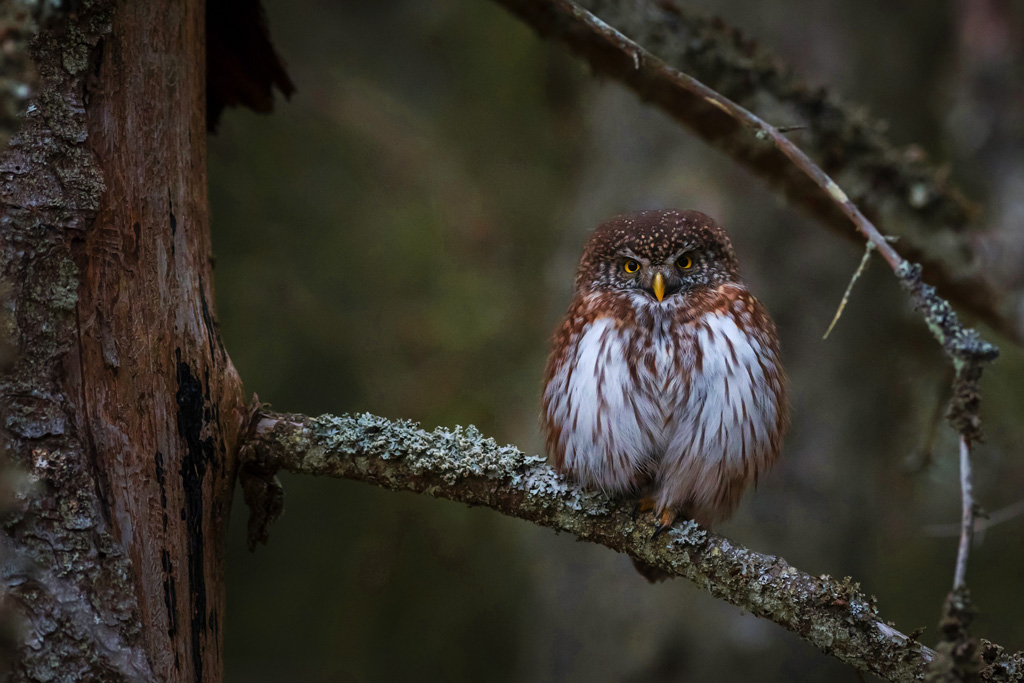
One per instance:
(464, 466)
(695, 104)
(647, 45)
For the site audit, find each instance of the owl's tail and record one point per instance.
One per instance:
(649, 572)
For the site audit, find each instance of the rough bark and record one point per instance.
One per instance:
(907, 196)
(122, 405)
(462, 465)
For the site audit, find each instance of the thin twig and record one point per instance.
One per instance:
(641, 59)
(763, 129)
(967, 515)
(849, 288)
(982, 523)
(958, 655)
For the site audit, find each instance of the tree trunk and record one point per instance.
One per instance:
(121, 404)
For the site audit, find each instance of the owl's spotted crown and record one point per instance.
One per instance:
(659, 236)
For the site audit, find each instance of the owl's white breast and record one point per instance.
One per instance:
(728, 427)
(607, 430)
(691, 405)
(730, 411)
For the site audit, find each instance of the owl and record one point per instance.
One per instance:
(664, 381)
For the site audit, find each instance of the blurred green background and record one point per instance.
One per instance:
(401, 239)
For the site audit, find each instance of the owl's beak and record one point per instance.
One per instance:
(659, 286)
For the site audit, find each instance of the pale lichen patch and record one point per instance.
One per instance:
(837, 193)
(451, 454)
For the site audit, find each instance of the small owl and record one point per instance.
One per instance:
(665, 380)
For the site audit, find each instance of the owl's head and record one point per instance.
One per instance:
(657, 255)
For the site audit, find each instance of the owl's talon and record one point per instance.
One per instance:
(665, 521)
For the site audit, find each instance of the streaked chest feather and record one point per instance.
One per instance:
(629, 403)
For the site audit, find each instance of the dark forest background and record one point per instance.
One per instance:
(401, 239)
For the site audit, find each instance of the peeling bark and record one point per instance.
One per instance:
(462, 465)
(122, 404)
(242, 66)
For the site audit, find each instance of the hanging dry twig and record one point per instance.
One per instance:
(966, 518)
(849, 288)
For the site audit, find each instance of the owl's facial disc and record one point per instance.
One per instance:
(657, 279)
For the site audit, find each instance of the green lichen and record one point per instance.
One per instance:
(75, 50)
(965, 348)
(63, 291)
(687, 533)
(452, 455)
(963, 344)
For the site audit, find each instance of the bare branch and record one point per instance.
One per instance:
(897, 187)
(967, 516)
(464, 466)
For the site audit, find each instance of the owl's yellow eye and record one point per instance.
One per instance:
(684, 262)
(632, 266)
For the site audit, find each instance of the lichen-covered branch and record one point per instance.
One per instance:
(645, 44)
(464, 466)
